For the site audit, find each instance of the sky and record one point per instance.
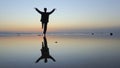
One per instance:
(70, 15)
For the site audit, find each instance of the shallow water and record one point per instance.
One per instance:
(68, 52)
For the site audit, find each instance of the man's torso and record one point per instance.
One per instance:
(45, 17)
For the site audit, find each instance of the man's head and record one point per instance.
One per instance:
(45, 9)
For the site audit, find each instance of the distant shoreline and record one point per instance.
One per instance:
(72, 34)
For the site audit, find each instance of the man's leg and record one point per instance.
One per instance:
(45, 28)
(42, 25)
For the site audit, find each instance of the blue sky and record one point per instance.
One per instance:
(19, 15)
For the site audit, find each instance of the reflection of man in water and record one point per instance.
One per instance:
(44, 18)
(45, 52)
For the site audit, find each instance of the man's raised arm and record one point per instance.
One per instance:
(52, 11)
(38, 10)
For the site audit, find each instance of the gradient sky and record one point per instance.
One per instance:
(19, 15)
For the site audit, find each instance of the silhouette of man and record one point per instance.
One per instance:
(45, 52)
(44, 18)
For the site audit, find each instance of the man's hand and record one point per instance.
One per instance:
(54, 9)
(38, 10)
(35, 8)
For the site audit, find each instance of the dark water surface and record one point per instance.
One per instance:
(68, 51)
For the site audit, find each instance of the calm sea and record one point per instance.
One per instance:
(59, 51)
